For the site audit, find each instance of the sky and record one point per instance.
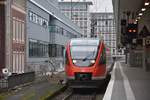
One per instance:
(99, 5)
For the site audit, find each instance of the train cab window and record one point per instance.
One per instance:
(84, 55)
(82, 52)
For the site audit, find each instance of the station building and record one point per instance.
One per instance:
(48, 32)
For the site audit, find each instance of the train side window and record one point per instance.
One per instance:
(66, 57)
(103, 57)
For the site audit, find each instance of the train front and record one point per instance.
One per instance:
(84, 68)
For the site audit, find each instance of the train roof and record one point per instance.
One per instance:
(85, 41)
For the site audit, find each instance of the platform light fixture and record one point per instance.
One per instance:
(146, 3)
(136, 20)
(140, 14)
(143, 9)
(139, 17)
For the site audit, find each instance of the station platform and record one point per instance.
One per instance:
(37, 90)
(128, 83)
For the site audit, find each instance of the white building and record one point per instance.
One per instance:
(103, 25)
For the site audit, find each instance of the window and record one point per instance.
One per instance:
(103, 57)
(85, 15)
(14, 29)
(38, 48)
(82, 52)
(85, 23)
(30, 16)
(60, 30)
(23, 31)
(17, 30)
(66, 58)
(56, 50)
(38, 19)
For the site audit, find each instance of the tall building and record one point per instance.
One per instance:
(103, 25)
(12, 35)
(78, 12)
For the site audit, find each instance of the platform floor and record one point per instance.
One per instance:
(128, 83)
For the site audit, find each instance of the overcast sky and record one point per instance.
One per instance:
(99, 5)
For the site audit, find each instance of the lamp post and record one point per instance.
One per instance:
(71, 10)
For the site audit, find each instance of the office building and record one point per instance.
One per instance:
(78, 12)
(103, 25)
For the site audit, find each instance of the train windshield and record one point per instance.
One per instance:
(83, 52)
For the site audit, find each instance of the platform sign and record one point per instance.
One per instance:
(147, 42)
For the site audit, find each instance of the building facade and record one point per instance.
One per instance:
(18, 23)
(2, 34)
(13, 35)
(48, 32)
(78, 12)
(103, 25)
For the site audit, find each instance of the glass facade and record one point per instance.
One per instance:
(59, 30)
(56, 50)
(38, 48)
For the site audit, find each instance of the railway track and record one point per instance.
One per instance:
(82, 94)
(70, 94)
(82, 97)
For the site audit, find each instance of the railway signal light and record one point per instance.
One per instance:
(131, 32)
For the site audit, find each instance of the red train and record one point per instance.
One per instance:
(85, 63)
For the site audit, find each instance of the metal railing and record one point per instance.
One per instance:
(16, 80)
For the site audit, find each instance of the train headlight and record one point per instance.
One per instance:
(74, 61)
(92, 61)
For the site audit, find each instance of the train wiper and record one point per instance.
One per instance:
(89, 55)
